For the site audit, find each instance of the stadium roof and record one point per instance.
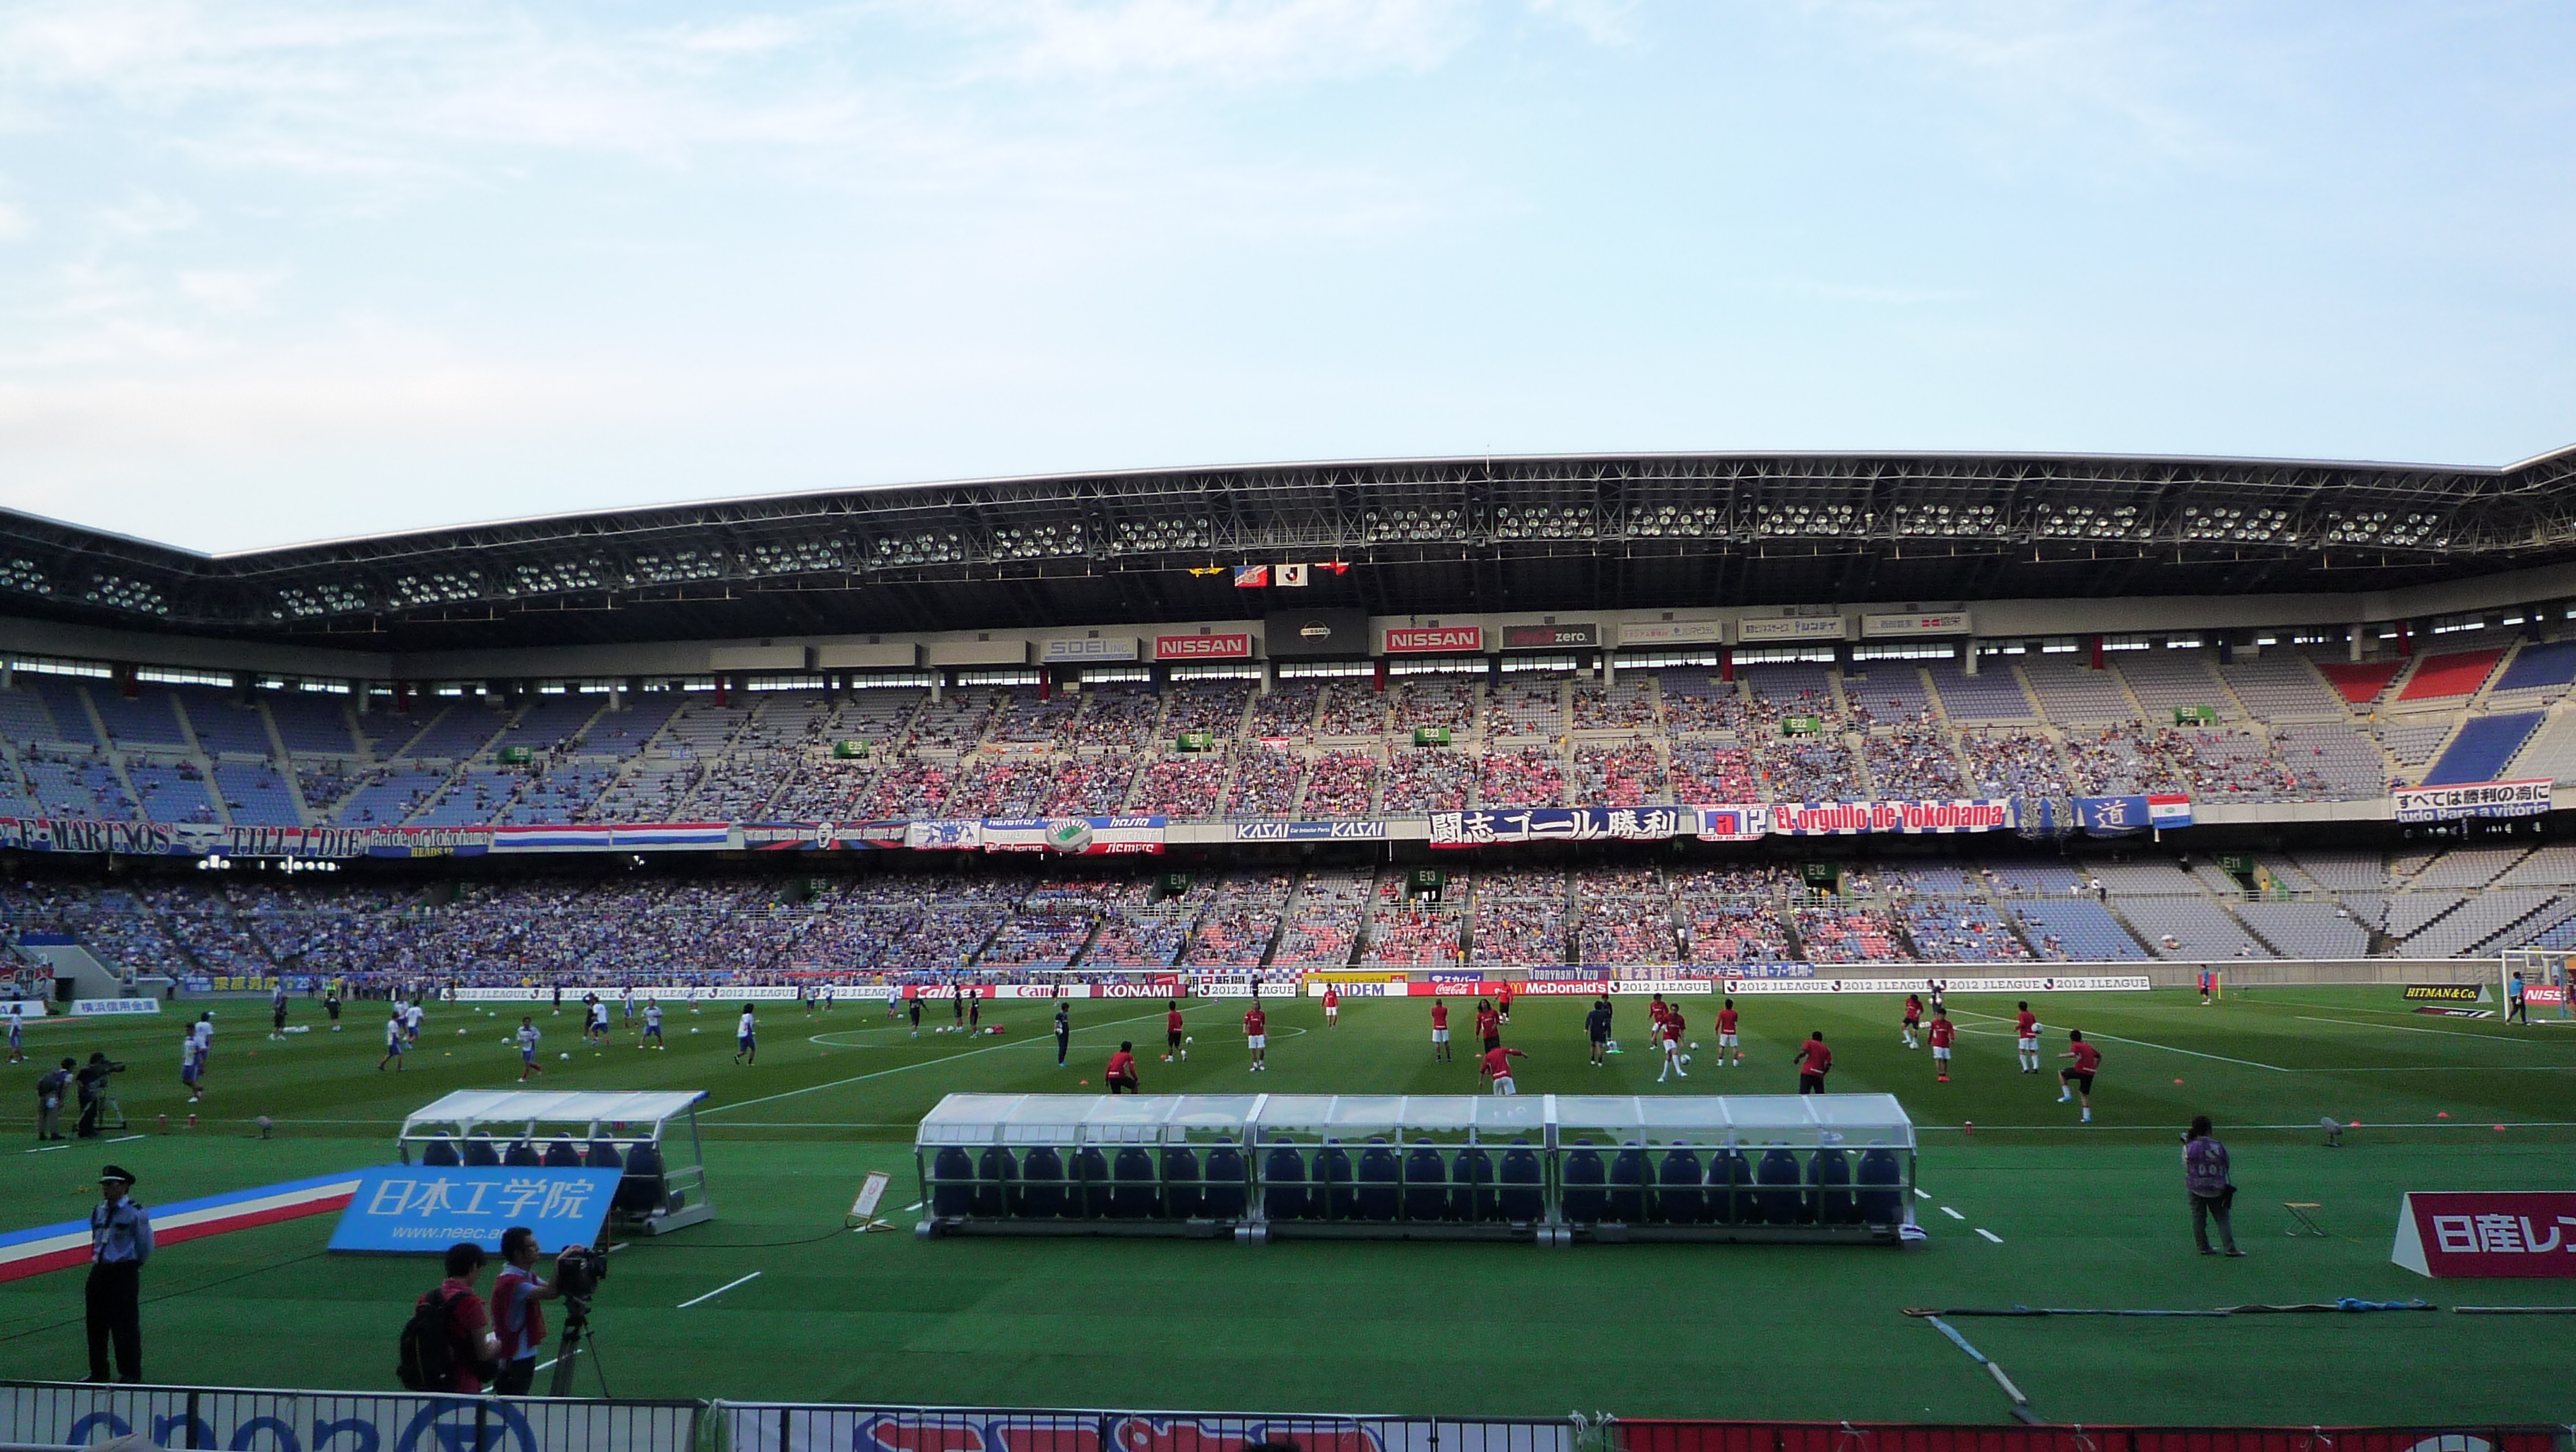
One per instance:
(1420, 537)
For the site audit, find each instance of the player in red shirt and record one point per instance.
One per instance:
(1497, 1066)
(1121, 1073)
(1503, 1000)
(2077, 1082)
(1815, 1061)
(1913, 1019)
(1674, 1058)
(1256, 1036)
(1173, 1038)
(1726, 1036)
(1942, 1033)
(2026, 1038)
(1440, 1031)
(1489, 1025)
(1332, 1006)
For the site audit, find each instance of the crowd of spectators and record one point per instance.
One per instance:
(1913, 763)
(1187, 788)
(1520, 916)
(1323, 920)
(1623, 915)
(1838, 934)
(1237, 928)
(1706, 773)
(1406, 930)
(1627, 774)
(1816, 768)
(1340, 784)
(1423, 779)
(1531, 777)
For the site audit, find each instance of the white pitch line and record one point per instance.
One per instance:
(1990, 1235)
(915, 1205)
(46, 1149)
(1039, 1041)
(1953, 1214)
(2168, 1048)
(2408, 1028)
(1922, 1194)
(711, 1295)
(122, 1138)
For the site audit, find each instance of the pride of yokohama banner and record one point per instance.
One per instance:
(1820, 819)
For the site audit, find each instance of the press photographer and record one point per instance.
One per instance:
(91, 1082)
(517, 1320)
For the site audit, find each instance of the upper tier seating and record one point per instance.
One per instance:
(2539, 667)
(2444, 677)
(1993, 694)
(2073, 694)
(2360, 681)
(2282, 686)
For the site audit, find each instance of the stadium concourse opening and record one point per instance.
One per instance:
(1680, 783)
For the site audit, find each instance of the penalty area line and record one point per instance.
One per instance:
(1041, 1041)
(2151, 1044)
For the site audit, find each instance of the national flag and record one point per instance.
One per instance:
(1251, 577)
(1338, 567)
(1292, 576)
(2168, 810)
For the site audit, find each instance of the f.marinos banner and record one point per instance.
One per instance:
(1844, 819)
(1561, 824)
(1082, 836)
(2473, 799)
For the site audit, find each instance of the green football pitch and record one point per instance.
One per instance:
(2029, 1208)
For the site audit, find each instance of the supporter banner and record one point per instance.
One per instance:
(421, 1209)
(860, 1429)
(1074, 836)
(796, 836)
(1673, 632)
(1434, 639)
(2121, 816)
(1561, 824)
(665, 836)
(110, 1007)
(1089, 651)
(1738, 822)
(2128, 983)
(1817, 819)
(2473, 799)
(287, 1421)
(2523, 1234)
(1234, 646)
(644, 993)
(950, 836)
(1935, 622)
(2446, 992)
(1550, 637)
(1310, 831)
(1755, 631)
(608, 838)
(357, 842)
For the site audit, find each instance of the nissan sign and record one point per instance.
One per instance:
(1237, 646)
(1435, 639)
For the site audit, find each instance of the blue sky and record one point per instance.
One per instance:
(280, 272)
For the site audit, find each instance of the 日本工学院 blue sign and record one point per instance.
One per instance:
(429, 1208)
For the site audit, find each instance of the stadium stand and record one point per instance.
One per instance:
(1321, 924)
(1994, 694)
(1624, 916)
(2360, 682)
(2075, 930)
(1520, 917)
(2164, 681)
(2448, 677)
(2482, 747)
(2282, 686)
(2071, 694)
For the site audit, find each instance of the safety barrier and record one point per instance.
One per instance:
(782, 1427)
(1691, 1436)
(224, 1419)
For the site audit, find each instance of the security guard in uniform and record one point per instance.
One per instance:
(120, 1241)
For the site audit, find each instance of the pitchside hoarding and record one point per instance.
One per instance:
(2516, 1234)
(421, 1209)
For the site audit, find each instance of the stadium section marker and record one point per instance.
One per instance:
(45, 1248)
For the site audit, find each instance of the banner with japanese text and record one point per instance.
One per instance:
(2514, 1233)
(427, 1208)
(1502, 825)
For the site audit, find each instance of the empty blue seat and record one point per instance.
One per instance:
(1830, 1173)
(1628, 1187)
(521, 1155)
(1283, 1183)
(1584, 1172)
(1426, 1184)
(1042, 1194)
(1336, 1184)
(1678, 1200)
(1472, 1179)
(1730, 1189)
(441, 1154)
(1524, 1199)
(479, 1154)
(1132, 1196)
(1091, 1173)
(603, 1156)
(952, 1187)
(563, 1154)
(639, 1191)
(1182, 1197)
(994, 1176)
(1226, 1199)
(1777, 1167)
(1879, 1167)
(1378, 1173)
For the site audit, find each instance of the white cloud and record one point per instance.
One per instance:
(145, 215)
(230, 292)
(13, 223)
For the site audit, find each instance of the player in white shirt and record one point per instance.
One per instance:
(411, 1021)
(628, 999)
(598, 1021)
(746, 1039)
(204, 1029)
(652, 1025)
(395, 1042)
(528, 1037)
(823, 995)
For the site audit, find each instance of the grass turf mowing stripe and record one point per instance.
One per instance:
(2149, 1044)
(1039, 1042)
(2410, 1028)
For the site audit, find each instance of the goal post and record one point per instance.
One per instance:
(2546, 977)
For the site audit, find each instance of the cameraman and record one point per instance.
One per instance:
(472, 1349)
(92, 1083)
(516, 1319)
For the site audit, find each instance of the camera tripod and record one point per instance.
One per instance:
(578, 1337)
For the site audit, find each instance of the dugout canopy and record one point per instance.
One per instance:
(649, 1136)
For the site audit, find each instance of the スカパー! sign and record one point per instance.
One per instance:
(2512, 1233)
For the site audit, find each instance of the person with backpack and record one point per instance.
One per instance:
(448, 1346)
